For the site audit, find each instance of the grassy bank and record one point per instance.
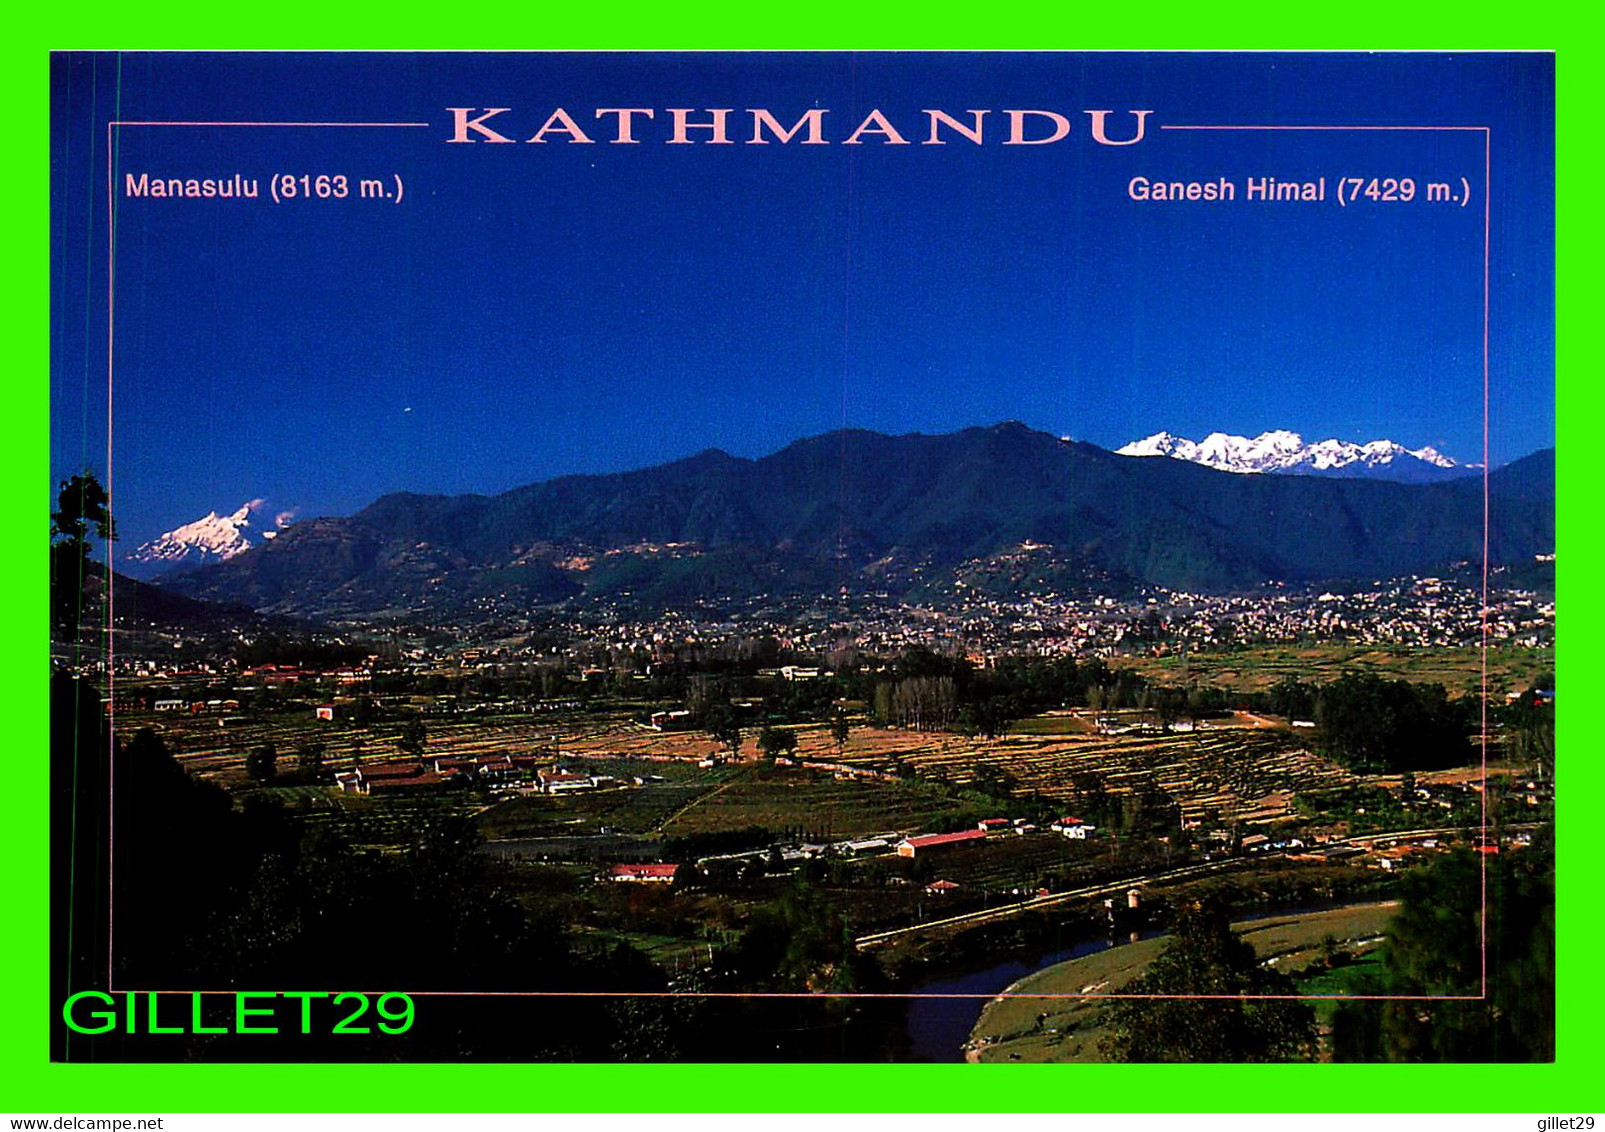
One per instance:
(1048, 1016)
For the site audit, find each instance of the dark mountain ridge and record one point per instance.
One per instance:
(838, 509)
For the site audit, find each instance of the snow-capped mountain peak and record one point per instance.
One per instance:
(1437, 459)
(1159, 444)
(1283, 451)
(211, 538)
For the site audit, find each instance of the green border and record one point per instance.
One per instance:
(29, 1083)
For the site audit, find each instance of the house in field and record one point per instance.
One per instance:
(643, 874)
(938, 842)
(563, 781)
(868, 845)
(993, 825)
(325, 711)
(394, 777)
(940, 888)
(1073, 828)
(677, 720)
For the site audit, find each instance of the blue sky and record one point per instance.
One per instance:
(535, 310)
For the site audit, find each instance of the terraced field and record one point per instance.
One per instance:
(1243, 771)
(216, 748)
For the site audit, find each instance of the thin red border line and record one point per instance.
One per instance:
(1487, 240)
(111, 320)
(1487, 235)
(111, 590)
(1483, 862)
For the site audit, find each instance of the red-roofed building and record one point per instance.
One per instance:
(1073, 827)
(940, 887)
(365, 779)
(423, 780)
(913, 846)
(558, 781)
(643, 874)
(993, 825)
(373, 771)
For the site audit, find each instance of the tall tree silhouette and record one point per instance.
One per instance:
(82, 505)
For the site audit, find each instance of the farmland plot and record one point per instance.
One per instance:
(1239, 773)
(810, 803)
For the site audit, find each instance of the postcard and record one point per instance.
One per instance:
(802, 557)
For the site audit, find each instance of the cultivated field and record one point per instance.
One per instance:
(1244, 770)
(1258, 668)
(1240, 768)
(812, 803)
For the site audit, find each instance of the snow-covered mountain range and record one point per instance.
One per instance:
(1287, 453)
(211, 538)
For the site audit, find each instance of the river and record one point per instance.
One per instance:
(939, 1027)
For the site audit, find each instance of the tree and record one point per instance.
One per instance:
(1170, 702)
(309, 760)
(1532, 742)
(81, 503)
(262, 764)
(1292, 698)
(724, 727)
(776, 742)
(1145, 701)
(839, 729)
(1204, 957)
(413, 737)
(881, 707)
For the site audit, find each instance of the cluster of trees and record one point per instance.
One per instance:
(921, 703)
(1435, 947)
(262, 763)
(1427, 1003)
(798, 943)
(1380, 726)
(927, 691)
